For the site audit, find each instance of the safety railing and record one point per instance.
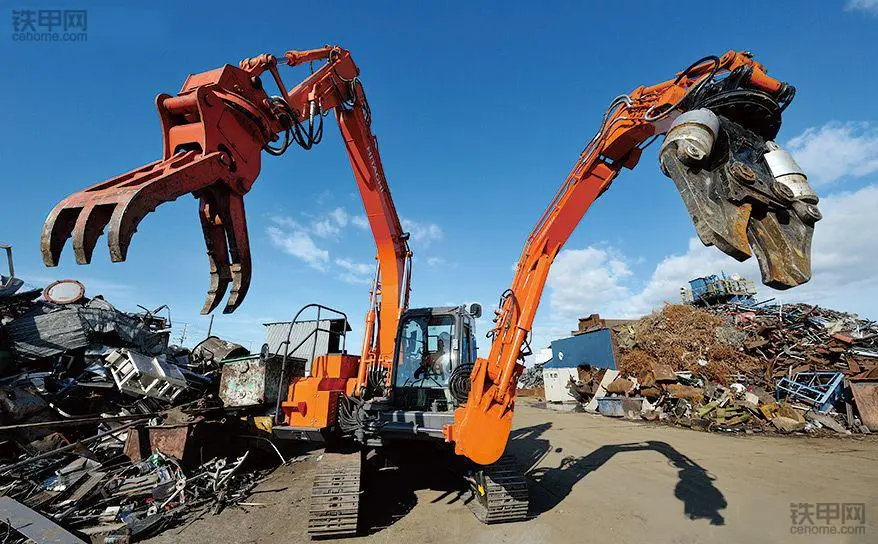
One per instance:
(313, 334)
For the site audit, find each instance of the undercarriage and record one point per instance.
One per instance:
(497, 493)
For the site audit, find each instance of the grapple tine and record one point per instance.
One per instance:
(738, 200)
(89, 227)
(217, 250)
(184, 173)
(56, 230)
(239, 248)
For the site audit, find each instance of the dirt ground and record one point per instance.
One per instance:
(594, 479)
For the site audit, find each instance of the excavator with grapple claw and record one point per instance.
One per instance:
(418, 376)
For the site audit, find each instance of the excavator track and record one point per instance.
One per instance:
(335, 496)
(500, 492)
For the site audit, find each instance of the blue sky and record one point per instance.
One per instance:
(480, 109)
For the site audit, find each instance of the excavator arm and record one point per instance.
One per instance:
(744, 194)
(214, 133)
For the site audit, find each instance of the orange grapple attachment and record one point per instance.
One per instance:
(214, 132)
(119, 205)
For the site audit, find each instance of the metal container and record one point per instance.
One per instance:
(611, 406)
(254, 380)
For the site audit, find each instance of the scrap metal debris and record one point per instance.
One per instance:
(107, 431)
(744, 367)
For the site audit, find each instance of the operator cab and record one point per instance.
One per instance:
(435, 353)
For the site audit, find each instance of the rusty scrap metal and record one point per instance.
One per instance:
(75, 422)
(70, 447)
(770, 345)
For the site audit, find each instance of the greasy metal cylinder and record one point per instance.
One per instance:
(693, 134)
(181, 104)
(788, 173)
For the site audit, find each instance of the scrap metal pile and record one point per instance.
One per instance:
(108, 432)
(787, 368)
(532, 377)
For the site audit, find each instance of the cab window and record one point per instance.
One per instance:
(424, 358)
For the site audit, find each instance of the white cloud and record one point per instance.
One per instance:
(356, 268)
(870, 6)
(422, 233)
(285, 222)
(434, 262)
(340, 216)
(331, 225)
(360, 221)
(325, 228)
(836, 150)
(355, 273)
(298, 243)
(581, 279)
(298, 239)
(323, 197)
(354, 279)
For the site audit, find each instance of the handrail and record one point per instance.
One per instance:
(286, 344)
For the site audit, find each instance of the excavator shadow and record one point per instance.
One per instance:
(393, 475)
(549, 486)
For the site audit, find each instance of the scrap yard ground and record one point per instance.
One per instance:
(595, 479)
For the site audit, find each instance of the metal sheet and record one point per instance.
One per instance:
(216, 349)
(592, 348)
(44, 333)
(276, 336)
(170, 440)
(866, 397)
(34, 525)
(555, 382)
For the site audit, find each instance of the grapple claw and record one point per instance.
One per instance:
(56, 230)
(217, 254)
(738, 200)
(89, 227)
(121, 203)
(228, 247)
(239, 247)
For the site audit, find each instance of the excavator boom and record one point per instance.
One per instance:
(744, 194)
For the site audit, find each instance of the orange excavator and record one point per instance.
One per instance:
(418, 377)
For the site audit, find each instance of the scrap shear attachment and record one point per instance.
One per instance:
(743, 192)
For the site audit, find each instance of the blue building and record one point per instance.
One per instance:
(594, 349)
